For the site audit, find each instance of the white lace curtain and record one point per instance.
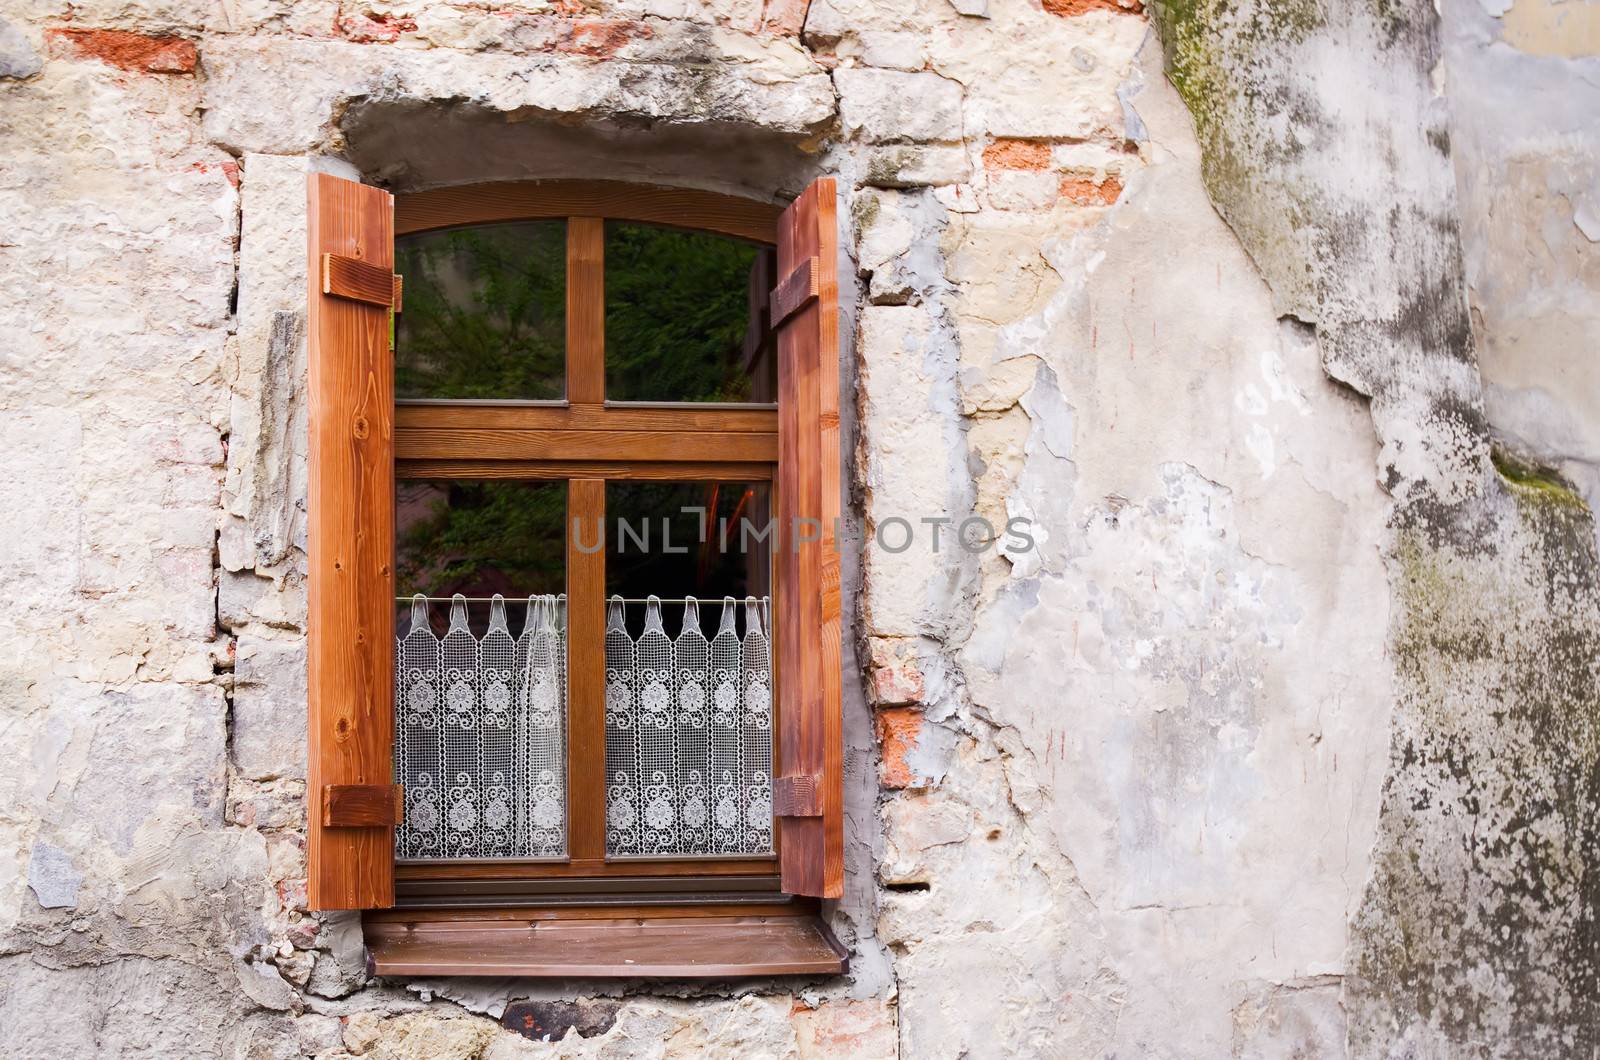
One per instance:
(689, 733)
(480, 733)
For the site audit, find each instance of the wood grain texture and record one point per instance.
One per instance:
(757, 343)
(359, 281)
(810, 721)
(553, 470)
(535, 200)
(598, 868)
(531, 911)
(350, 531)
(558, 416)
(509, 443)
(586, 310)
(362, 805)
(795, 292)
(796, 796)
(586, 671)
(659, 947)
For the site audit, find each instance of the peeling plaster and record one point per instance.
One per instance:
(1486, 814)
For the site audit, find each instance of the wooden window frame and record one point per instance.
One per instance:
(585, 440)
(585, 914)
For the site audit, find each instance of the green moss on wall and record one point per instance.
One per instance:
(1530, 482)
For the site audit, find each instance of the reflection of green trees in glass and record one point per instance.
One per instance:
(480, 538)
(484, 312)
(676, 306)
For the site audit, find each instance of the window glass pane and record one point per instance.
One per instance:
(659, 543)
(483, 312)
(480, 685)
(688, 685)
(677, 308)
(480, 537)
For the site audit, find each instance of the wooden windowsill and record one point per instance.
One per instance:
(650, 947)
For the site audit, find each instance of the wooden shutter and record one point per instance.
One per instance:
(808, 788)
(353, 804)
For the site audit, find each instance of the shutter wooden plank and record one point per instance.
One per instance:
(350, 530)
(810, 737)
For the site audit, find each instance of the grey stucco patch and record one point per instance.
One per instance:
(53, 877)
(18, 60)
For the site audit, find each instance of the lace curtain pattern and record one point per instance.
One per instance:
(480, 734)
(689, 733)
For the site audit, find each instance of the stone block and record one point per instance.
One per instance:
(269, 708)
(914, 165)
(888, 105)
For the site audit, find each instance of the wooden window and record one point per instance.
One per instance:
(563, 354)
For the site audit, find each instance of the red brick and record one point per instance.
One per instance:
(1085, 192)
(292, 894)
(601, 38)
(127, 51)
(856, 1030)
(1073, 8)
(373, 28)
(895, 678)
(1017, 154)
(898, 728)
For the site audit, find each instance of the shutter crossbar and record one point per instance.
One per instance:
(797, 290)
(360, 281)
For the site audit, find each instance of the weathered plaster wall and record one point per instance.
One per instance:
(1524, 88)
(1280, 743)
(1476, 934)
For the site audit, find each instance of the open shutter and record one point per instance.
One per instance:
(808, 789)
(352, 802)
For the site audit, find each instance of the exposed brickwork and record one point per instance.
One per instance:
(896, 680)
(898, 728)
(1017, 154)
(126, 51)
(1073, 8)
(601, 38)
(373, 28)
(1086, 192)
(855, 1029)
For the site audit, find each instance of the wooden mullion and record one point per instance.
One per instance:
(586, 671)
(590, 416)
(561, 470)
(586, 310)
(428, 443)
